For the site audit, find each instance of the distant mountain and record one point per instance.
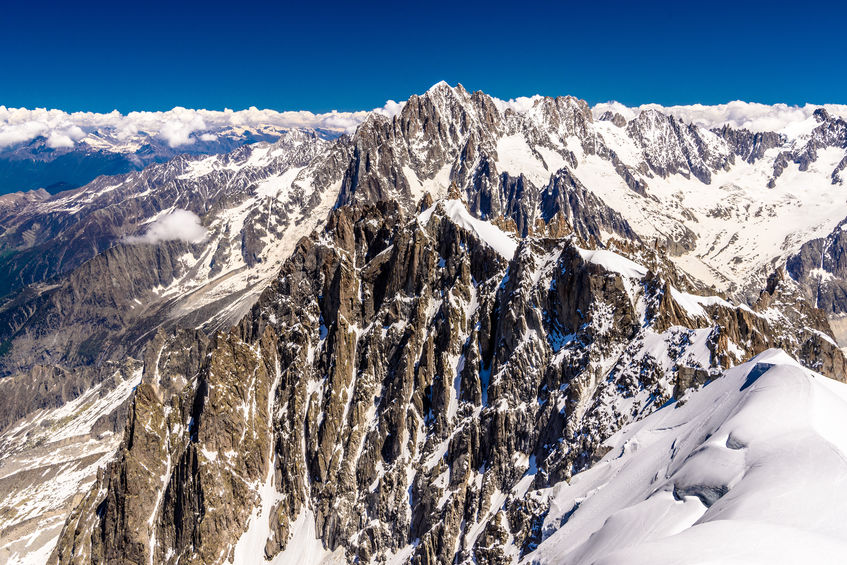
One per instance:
(36, 165)
(397, 343)
(58, 151)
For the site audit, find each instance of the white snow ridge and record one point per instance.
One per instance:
(488, 233)
(750, 469)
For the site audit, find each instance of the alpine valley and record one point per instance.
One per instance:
(459, 330)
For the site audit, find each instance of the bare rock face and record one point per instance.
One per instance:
(672, 147)
(821, 268)
(47, 386)
(615, 118)
(750, 146)
(582, 210)
(402, 383)
(87, 308)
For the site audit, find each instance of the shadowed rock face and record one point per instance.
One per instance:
(821, 267)
(820, 270)
(750, 146)
(398, 376)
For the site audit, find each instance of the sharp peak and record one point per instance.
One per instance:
(443, 89)
(653, 111)
(523, 102)
(444, 85)
(438, 85)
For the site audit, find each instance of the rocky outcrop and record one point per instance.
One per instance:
(672, 147)
(820, 267)
(750, 146)
(587, 214)
(615, 118)
(89, 312)
(45, 386)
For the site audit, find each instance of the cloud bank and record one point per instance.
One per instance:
(178, 127)
(177, 225)
(782, 118)
(182, 127)
(521, 104)
(750, 115)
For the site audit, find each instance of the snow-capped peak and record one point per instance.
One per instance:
(440, 85)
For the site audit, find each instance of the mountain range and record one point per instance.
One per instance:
(460, 329)
(56, 151)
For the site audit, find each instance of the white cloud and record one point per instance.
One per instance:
(56, 140)
(177, 127)
(750, 115)
(179, 224)
(390, 109)
(64, 137)
(521, 104)
(18, 133)
(177, 131)
(181, 127)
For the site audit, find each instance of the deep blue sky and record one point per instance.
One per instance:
(347, 56)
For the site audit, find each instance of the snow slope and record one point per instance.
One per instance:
(49, 459)
(742, 227)
(749, 469)
(613, 262)
(488, 233)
